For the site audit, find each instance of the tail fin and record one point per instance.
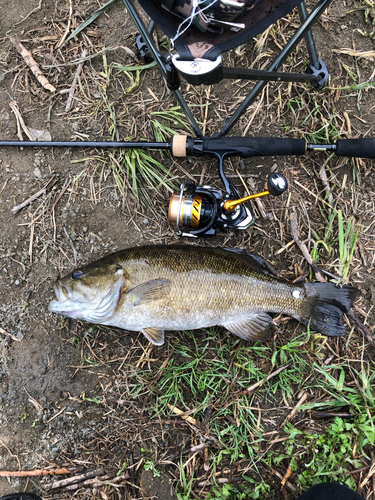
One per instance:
(328, 302)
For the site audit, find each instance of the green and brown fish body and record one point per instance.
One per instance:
(157, 288)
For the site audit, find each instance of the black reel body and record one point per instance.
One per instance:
(199, 211)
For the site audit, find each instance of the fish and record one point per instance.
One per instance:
(157, 288)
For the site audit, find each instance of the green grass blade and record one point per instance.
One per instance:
(92, 18)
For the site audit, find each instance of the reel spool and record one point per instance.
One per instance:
(200, 210)
(196, 208)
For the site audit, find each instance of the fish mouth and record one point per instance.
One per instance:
(96, 309)
(61, 292)
(62, 296)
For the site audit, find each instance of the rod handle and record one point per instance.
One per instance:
(248, 147)
(356, 148)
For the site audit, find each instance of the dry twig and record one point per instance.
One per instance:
(295, 409)
(361, 327)
(9, 335)
(96, 481)
(297, 238)
(370, 473)
(66, 33)
(32, 134)
(38, 472)
(29, 60)
(74, 479)
(287, 475)
(261, 382)
(32, 198)
(29, 14)
(75, 80)
(182, 414)
(287, 483)
(327, 187)
(258, 202)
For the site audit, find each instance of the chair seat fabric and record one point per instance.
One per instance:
(207, 40)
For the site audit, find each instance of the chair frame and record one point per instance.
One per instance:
(317, 75)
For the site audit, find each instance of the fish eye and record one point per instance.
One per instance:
(77, 274)
(118, 267)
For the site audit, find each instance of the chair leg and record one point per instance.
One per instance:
(147, 40)
(317, 66)
(293, 42)
(302, 11)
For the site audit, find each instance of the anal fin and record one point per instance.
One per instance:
(154, 335)
(255, 327)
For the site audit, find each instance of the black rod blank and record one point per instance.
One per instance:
(85, 144)
(229, 146)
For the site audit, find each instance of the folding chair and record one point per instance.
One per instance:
(200, 38)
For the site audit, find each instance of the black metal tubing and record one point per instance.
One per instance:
(302, 11)
(293, 42)
(267, 76)
(156, 55)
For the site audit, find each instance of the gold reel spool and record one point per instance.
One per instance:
(185, 210)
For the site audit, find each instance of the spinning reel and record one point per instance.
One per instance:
(200, 210)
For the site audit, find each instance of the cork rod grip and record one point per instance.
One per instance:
(179, 145)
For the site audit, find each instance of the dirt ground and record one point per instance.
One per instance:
(61, 393)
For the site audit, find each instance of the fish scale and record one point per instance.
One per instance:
(157, 288)
(210, 278)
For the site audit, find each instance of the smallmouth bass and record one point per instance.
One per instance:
(156, 288)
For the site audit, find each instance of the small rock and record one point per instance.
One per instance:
(37, 172)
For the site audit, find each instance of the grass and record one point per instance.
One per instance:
(138, 173)
(338, 238)
(319, 125)
(348, 236)
(163, 121)
(207, 375)
(321, 457)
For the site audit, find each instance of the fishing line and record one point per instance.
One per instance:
(190, 19)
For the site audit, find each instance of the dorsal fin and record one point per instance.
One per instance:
(255, 261)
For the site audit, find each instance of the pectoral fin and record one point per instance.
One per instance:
(154, 335)
(150, 290)
(255, 327)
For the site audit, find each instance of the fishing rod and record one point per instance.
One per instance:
(199, 210)
(183, 145)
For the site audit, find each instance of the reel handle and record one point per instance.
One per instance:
(276, 184)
